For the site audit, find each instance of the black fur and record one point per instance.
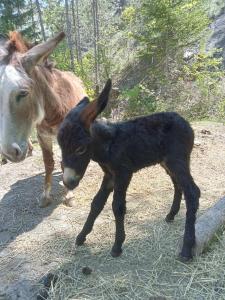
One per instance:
(122, 149)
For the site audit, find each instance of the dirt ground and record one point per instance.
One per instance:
(35, 241)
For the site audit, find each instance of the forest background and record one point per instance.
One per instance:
(162, 55)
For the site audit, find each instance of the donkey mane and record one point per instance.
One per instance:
(61, 89)
(16, 43)
(11, 45)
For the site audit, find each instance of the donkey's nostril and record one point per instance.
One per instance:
(16, 150)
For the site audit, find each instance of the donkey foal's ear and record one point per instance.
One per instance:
(104, 96)
(92, 110)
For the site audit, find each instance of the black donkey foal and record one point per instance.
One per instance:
(122, 149)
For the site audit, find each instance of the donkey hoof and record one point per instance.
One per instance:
(4, 161)
(169, 218)
(44, 201)
(116, 253)
(184, 259)
(80, 240)
(29, 153)
(68, 198)
(69, 202)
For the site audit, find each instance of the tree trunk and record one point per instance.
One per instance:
(79, 54)
(69, 36)
(119, 6)
(40, 19)
(18, 12)
(96, 39)
(75, 29)
(32, 18)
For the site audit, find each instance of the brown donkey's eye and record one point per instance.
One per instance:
(81, 150)
(21, 95)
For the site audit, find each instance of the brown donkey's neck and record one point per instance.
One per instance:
(58, 92)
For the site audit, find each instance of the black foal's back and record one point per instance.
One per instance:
(144, 141)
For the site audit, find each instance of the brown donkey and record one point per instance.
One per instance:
(33, 93)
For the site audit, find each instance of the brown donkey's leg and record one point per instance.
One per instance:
(3, 160)
(30, 148)
(68, 195)
(45, 142)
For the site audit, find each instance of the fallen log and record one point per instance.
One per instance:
(208, 225)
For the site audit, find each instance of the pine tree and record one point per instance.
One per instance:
(16, 15)
(69, 34)
(40, 19)
(96, 39)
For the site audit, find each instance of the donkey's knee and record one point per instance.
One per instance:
(197, 191)
(192, 194)
(119, 209)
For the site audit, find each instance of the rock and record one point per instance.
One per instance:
(197, 143)
(47, 281)
(217, 39)
(205, 131)
(86, 270)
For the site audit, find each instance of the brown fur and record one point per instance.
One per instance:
(57, 92)
(89, 114)
(61, 90)
(18, 43)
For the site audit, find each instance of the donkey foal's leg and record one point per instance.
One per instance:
(119, 209)
(96, 207)
(176, 202)
(191, 194)
(182, 175)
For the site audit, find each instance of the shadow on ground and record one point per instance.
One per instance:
(19, 209)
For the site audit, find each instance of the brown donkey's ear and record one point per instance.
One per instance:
(40, 52)
(92, 110)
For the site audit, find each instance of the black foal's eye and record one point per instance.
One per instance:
(21, 95)
(81, 150)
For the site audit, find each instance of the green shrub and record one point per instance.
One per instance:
(138, 101)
